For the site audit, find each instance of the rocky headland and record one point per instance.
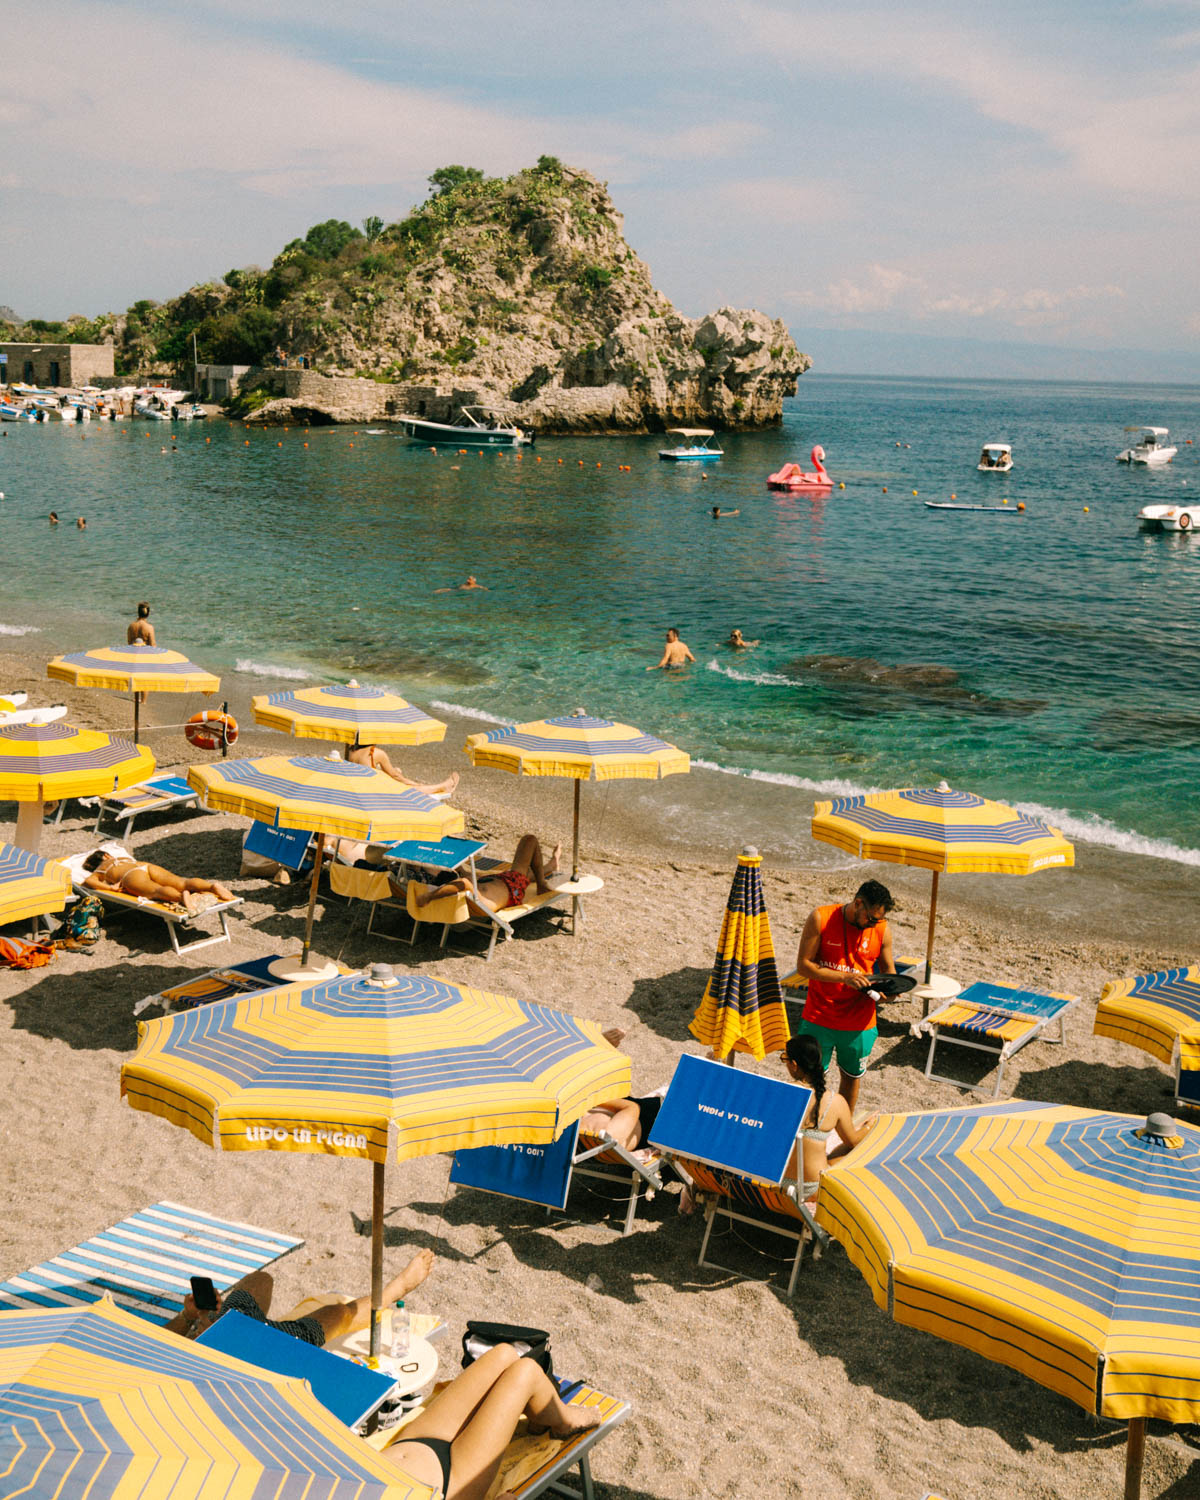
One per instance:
(517, 293)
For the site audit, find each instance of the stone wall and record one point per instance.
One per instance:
(347, 398)
(77, 364)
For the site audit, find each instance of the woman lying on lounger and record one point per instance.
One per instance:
(457, 1442)
(505, 887)
(126, 876)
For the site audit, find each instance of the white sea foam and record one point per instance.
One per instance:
(20, 629)
(1093, 829)
(268, 669)
(763, 679)
(468, 713)
(1088, 828)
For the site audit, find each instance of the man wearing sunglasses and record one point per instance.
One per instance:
(840, 948)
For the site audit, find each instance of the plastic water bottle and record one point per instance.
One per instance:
(400, 1330)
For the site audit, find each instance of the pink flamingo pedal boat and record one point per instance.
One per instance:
(793, 477)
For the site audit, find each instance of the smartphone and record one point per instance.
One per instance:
(204, 1294)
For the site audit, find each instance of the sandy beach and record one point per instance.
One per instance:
(735, 1389)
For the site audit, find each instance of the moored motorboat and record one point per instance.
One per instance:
(474, 427)
(694, 445)
(996, 458)
(1151, 449)
(1170, 517)
(793, 477)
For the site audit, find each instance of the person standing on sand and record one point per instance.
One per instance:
(839, 950)
(379, 760)
(675, 654)
(140, 631)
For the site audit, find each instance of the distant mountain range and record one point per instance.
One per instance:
(842, 351)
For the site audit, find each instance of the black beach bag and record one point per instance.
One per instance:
(533, 1343)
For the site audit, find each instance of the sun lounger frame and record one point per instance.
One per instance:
(607, 1153)
(173, 919)
(474, 914)
(1000, 1048)
(159, 803)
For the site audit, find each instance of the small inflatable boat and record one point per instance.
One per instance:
(793, 477)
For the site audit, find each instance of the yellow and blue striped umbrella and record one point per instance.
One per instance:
(372, 1066)
(1061, 1242)
(578, 746)
(41, 762)
(133, 669)
(371, 716)
(941, 830)
(97, 1404)
(1160, 1013)
(325, 795)
(29, 885)
(742, 1009)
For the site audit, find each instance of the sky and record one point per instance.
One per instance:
(975, 176)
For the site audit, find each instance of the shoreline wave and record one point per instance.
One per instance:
(760, 679)
(20, 630)
(469, 713)
(249, 668)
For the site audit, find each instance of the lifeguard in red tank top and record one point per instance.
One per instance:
(843, 946)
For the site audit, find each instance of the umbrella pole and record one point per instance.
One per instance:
(312, 898)
(929, 935)
(1135, 1450)
(136, 716)
(30, 816)
(378, 1171)
(575, 856)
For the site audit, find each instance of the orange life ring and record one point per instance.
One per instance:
(210, 729)
(1185, 520)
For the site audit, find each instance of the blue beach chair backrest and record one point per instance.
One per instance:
(729, 1118)
(351, 1392)
(286, 846)
(535, 1174)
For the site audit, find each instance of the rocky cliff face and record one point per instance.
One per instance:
(520, 292)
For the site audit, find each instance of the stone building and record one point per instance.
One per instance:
(219, 382)
(54, 364)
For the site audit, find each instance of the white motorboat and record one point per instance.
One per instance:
(695, 445)
(14, 411)
(474, 427)
(996, 458)
(1170, 517)
(1151, 448)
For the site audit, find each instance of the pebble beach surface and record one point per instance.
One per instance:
(735, 1389)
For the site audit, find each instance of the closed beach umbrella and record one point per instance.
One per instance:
(1061, 1242)
(325, 796)
(945, 831)
(578, 746)
(1160, 1013)
(352, 714)
(133, 669)
(98, 1404)
(42, 762)
(380, 1067)
(742, 1009)
(29, 885)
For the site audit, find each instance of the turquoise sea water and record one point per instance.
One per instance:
(1064, 643)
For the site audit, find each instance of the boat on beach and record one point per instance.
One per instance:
(793, 477)
(695, 445)
(474, 426)
(996, 458)
(1151, 449)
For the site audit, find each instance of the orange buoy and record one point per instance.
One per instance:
(1020, 505)
(306, 445)
(210, 729)
(885, 489)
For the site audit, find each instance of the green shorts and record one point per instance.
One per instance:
(853, 1048)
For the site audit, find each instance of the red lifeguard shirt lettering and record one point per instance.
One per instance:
(843, 946)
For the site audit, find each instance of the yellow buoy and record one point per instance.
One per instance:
(841, 485)
(1086, 508)
(914, 492)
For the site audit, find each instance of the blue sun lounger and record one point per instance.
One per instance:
(997, 1019)
(144, 1262)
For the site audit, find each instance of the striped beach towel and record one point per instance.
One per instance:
(144, 1262)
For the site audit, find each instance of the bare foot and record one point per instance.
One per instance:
(410, 1278)
(190, 901)
(450, 783)
(574, 1420)
(222, 891)
(552, 867)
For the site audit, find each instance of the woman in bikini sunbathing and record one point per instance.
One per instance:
(380, 760)
(505, 887)
(132, 877)
(457, 1442)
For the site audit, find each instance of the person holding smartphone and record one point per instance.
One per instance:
(203, 1305)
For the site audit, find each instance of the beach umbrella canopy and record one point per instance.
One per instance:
(42, 762)
(374, 1066)
(327, 796)
(98, 1404)
(29, 885)
(1160, 1013)
(353, 714)
(133, 669)
(944, 831)
(579, 746)
(742, 1009)
(1061, 1242)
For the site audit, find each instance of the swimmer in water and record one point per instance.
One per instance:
(718, 514)
(738, 642)
(675, 654)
